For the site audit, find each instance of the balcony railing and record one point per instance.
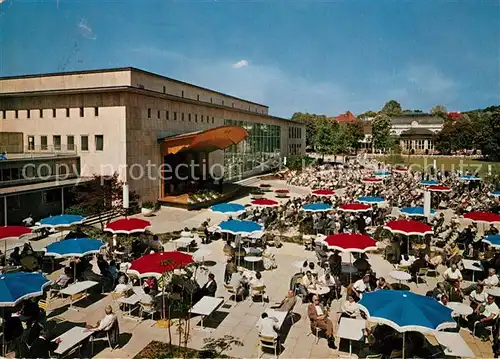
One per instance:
(32, 151)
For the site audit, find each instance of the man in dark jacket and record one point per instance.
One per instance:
(42, 347)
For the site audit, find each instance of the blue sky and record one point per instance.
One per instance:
(322, 57)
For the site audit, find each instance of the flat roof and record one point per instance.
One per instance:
(14, 190)
(118, 69)
(141, 91)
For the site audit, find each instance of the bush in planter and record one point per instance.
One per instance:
(148, 205)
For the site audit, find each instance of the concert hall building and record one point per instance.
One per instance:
(136, 123)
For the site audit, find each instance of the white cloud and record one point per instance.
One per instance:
(85, 30)
(240, 64)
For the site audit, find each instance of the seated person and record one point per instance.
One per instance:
(334, 284)
(267, 326)
(257, 281)
(113, 269)
(483, 316)
(470, 252)
(453, 254)
(406, 261)
(382, 339)
(350, 308)
(240, 284)
(308, 280)
(452, 274)
(42, 346)
(491, 231)
(478, 297)
(382, 284)
(444, 300)
(151, 282)
(362, 264)
(210, 287)
(15, 257)
(30, 312)
(419, 263)
(455, 293)
(439, 291)
(123, 286)
(319, 319)
(103, 266)
(335, 263)
(63, 280)
(147, 298)
(287, 304)
(360, 286)
(105, 323)
(313, 269)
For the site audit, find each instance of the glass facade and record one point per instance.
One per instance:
(262, 144)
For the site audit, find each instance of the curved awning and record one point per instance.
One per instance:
(210, 140)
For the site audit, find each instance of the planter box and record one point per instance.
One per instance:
(257, 195)
(281, 195)
(146, 211)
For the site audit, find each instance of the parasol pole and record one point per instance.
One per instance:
(404, 342)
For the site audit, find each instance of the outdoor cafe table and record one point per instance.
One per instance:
(77, 288)
(400, 275)
(206, 306)
(319, 289)
(72, 338)
(252, 259)
(459, 309)
(352, 329)
(281, 316)
(454, 345)
(494, 291)
(131, 302)
(350, 269)
(474, 266)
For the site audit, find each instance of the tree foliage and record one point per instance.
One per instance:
(100, 195)
(310, 121)
(324, 140)
(392, 108)
(367, 114)
(381, 132)
(439, 110)
(488, 134)
(355, 133)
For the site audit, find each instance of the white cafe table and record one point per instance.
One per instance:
(131, 303)
(77, 288)
(351, 329)
(400, 275)
(206, 306)
(348, 268)
(474, 266)
(252, 259)
(459, 309)
(72, 338)
(454, 345)
(494, 291)
(281, 316)
(319, 289)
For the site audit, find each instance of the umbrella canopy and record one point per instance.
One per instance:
(493, 240)
(371, 200)
(382, 174)
(62, 220)
(264, 202)
(487, 217)
(15, 287)
(406, 311)
(409, 228)
(127, 226)
(317, 207)
(76, 247)
(13, 231)
(347, 242)
(154, 265)
(355, 207)
(416, 211)
(496, 193)
(372, 180)
(323, 192)
(469, 178)
(439, 188)
(429, 183)
(235, 226)
(233, 209)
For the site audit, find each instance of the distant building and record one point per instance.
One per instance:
(346, 117)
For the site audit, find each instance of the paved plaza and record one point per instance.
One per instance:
(238, 320)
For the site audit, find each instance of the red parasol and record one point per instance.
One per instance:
(439, 188)
(346, 242)
(323, 192)
(264, 202)
(355, 207)
(13, 231)
(154, 265)
(487, 217)
(409, 228)
(127, 226)
(372, 180)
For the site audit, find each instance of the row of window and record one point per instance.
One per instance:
(294, 132)
(42, 145)
(295, 148)
(42, 112)
(168, 116)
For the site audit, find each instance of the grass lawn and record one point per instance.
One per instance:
(443, 163)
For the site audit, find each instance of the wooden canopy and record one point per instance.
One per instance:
(218, 138)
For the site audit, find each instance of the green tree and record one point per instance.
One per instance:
(439, 110)
(324, 140)
(367, 114)
(381, 132)
(355, 133)
(488, 135)
(310, 121)
(392, 108)
(457, 135)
